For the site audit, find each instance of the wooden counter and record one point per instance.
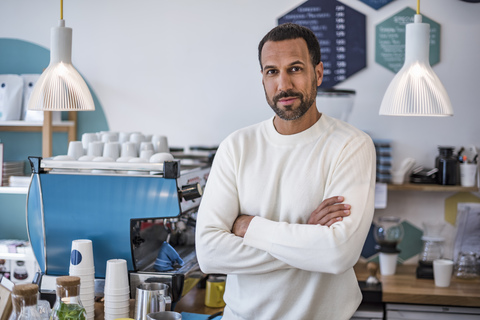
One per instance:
(404, 287)
(194, 302)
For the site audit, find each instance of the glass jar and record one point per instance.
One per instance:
(466, 266)
(68, 304)
(24, 299)
(447, 165)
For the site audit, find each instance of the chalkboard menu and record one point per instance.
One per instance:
(376, 4)
(341, 33)
(390, 40)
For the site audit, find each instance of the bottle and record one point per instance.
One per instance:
(447, 165)
(68, 304)
(24, 298)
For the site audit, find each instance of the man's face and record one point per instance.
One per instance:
(289, 79)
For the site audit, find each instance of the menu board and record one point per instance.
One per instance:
(376, 4)
(341, 33)
(390, 40)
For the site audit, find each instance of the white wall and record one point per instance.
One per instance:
(189, 69)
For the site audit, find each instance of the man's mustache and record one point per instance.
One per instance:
(287, 94)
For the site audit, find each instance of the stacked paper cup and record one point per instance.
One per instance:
(117, 290)
(81, 265)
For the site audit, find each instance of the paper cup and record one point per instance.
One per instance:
(116, 276)
(388, 263)
(81, 256)
(442, 272)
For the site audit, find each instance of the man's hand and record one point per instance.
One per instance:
(241, 224)
(329, 211)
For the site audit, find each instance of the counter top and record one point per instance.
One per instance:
(404, 287)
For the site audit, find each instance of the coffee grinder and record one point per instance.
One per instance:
(388, 233)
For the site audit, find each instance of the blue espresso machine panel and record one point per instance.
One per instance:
(62, 207)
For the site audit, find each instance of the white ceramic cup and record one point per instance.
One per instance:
(442, 272)
(129, 149)
(87, 138)
(95, 148)
(111, 150)
(146, 145)
(388, 263)
(109, 136)
(468, 173)
(123, 137)
(160, 143)
(75, 149)
(81, 256)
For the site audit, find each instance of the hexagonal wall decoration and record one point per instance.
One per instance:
(390, 40)
(341, 33)
(376, 4)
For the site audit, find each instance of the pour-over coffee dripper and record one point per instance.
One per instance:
(432, 248)
(388, 233)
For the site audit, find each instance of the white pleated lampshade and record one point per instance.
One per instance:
(61, 87)
(416, 90)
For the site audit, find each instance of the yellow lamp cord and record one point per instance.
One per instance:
(418, 6)
(61, 9)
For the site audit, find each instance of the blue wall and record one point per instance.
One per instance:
(21, 57)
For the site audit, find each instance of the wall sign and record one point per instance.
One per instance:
(341, 33)
(376, 4)
(390, 40)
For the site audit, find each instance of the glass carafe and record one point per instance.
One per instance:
(432, 249)
(24, 299)
(68, 304)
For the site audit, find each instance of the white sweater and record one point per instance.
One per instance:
(284, 268)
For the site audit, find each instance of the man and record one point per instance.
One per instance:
(272, 217)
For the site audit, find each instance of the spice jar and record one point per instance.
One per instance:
(447, 165)
(68, 304)
(24, 299)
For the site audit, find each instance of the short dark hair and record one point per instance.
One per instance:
(289, 31)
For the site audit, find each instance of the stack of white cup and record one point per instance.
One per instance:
(82, 266)
(117, 290)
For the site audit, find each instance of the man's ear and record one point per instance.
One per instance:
(319, 73)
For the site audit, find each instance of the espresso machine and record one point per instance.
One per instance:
(128, 210)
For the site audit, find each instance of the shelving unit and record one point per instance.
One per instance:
(47, 127)
(430, 188)
(13, 190)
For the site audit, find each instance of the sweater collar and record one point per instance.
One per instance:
(303, 137)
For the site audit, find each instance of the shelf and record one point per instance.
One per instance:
(13, 190)
(34, 126)
(17, 256)
(430, 187)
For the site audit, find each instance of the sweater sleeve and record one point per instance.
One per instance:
(218, 250)
(319, 248)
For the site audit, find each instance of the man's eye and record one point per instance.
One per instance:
(296, 69)
(271, 71)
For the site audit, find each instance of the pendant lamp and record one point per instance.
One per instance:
(61, 87)
(416, 90)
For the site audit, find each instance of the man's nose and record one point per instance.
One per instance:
(284, 82)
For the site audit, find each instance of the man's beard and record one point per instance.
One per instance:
(289, 113)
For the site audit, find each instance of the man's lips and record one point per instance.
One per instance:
(288, 100)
